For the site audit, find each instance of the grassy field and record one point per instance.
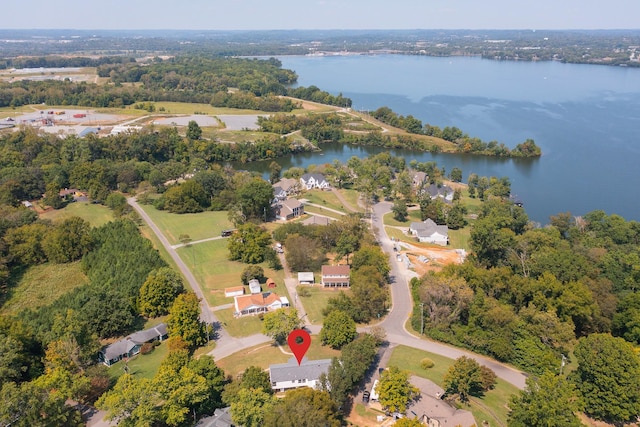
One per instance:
(95, 214)
(414, 216)
(320, 211)
(198, 226)
(241, 326)
(40, 285)
(324, 198)
(209, 263)
(268, 354)
(316, 302)
(352, 197)
(141, 365)
(492, 407)
(233, 136)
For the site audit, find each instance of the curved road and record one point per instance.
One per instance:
(394, 323)
(402, 307)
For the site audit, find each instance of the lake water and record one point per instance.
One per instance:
(585, 118)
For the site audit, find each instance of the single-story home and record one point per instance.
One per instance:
(254, 286)
(234, 291)
(432, 411)
(286, 376)
(288, 209)
(335, 276)
(258, 303)
(130, 346)
(314, 180)
(430, 232)
(306, 278)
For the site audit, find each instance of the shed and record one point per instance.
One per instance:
(254, 286)
(271, 283)
(234, 291)
(306, 278)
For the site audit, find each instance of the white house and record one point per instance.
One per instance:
(258, 303)
(429, 232)
(314, 180)
(285, 376)
(335, 276)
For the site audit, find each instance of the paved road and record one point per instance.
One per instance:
(394, 323)
(402, 307)
(206, 314)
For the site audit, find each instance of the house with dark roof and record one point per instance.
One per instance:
(286, 376)
(314, 180)
(258, 303)
(288, 209)
(130, 346)
(436, 191)
(419, 179)
(335, 276)
(430, 232)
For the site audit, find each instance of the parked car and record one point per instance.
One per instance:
(365, 397)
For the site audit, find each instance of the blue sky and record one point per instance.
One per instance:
(320, 14)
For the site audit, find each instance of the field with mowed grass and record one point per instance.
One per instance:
(198, 226)
(209, 262)
(324, 198)
(95, 214)
(492, 407)
(267, 354)
(41, 285)
(316, 302)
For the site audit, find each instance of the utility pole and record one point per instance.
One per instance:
(421, 318)
(562, 363)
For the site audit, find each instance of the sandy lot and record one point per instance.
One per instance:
(240, 122)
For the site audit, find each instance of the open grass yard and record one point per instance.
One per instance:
(95, 214)
(41, 285)
(321, 211)
(267, 354)
(198, 226)
(489, 407)
(414, 216)
(241, 326)
(324, 198)
(460, 238)
(233, 136)
(141, 365)
(399, 235)
(352, 197)
(209, 263)
(316, 302)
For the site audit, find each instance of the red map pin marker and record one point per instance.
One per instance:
(299, 341)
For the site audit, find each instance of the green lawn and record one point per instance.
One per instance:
(141, 365)
(460, 238)
(267, 354)
(198, 226)
(316, 302)
(399, 235)
(324, 198)
(414, 216)
(495, 400)
(321, 211)
(352, 197)
(42, 284)
(241, 326)
(209, 263)
(95, 214)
